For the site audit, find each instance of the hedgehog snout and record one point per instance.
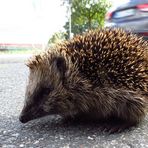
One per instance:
(23, 119)
(25, 114)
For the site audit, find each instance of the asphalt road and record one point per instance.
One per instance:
(51, 131)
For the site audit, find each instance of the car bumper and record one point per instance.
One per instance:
(139, 27)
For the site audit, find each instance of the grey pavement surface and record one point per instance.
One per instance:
(50, 131)
(15, 58)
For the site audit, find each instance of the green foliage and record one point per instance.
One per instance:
(87, 14)
(56, 37)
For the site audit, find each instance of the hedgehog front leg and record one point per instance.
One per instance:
(127, 106)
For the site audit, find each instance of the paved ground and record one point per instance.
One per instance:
(51, 132)
(15, 58)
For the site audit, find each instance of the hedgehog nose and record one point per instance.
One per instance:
(22, 119)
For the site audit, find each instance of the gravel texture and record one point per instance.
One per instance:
(51, 131)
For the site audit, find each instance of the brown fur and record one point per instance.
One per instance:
(101, 74)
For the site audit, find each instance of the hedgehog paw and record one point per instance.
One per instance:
(111, 129)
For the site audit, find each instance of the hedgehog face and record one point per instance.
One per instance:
(46, 93)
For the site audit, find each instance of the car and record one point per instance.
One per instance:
(132, 16)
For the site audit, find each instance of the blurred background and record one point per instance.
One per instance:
(132, 15)
(31, 25)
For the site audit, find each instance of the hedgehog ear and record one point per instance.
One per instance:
(61, 65)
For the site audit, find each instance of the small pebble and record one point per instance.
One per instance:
(90, 138)
(66, 146)
(36, 142)
(21, 145)
(61, 138)
(15, 135)
(4, 132)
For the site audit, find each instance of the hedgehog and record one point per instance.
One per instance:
(99, 75)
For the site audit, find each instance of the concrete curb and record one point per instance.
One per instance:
(14, 58)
